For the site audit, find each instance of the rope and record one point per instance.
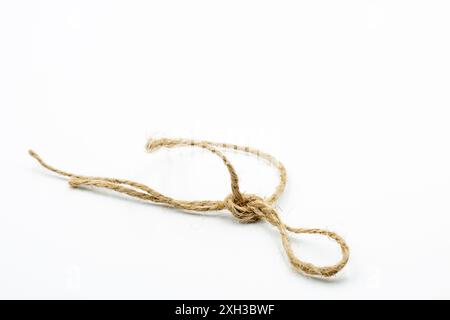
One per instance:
(244, 207)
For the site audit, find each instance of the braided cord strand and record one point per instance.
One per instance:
(244, 207)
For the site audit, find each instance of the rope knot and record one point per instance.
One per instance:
(248, 208)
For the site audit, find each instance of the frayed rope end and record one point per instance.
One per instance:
(32, 153)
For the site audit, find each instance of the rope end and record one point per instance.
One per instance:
(75, 182)
(153, 144)
(37, 157)
(33, 154)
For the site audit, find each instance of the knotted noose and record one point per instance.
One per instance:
(244, 207)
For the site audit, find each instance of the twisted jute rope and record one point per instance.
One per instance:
(244, 207)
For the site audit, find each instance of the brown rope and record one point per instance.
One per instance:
(244, 207)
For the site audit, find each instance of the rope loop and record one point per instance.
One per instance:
(246, 208)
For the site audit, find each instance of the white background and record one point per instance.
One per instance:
(353, 97)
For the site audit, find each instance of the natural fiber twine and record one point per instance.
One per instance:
(244, 207)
